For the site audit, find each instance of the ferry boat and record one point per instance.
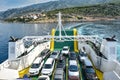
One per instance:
(87, 50)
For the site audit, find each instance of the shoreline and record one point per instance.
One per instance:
(85, 19)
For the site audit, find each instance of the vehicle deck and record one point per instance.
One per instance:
(55, 45)
(82, 77)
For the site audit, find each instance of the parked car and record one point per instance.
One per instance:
(86, 62)
(72, 56)
(36, 66)
(60, 68)
(45, 53)
(59, 74)
(65, 50)
(43, 77)
(82, 56)
(90, 73)
(55, 54)
(73, 70)
(48, 67)
(61, 64)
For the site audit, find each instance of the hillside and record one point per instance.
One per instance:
(111, 9)
(105, 11)
(52, 5)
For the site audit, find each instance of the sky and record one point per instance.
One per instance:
(7, 4)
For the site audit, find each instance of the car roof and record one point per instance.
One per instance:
(87, 62)
(59, 71)
(45, 50)
(65, 47)
(37, 60)
(49, 61)
(60, 65)
(43, 76)
(58, 77)
(73, 62)
(54, 52)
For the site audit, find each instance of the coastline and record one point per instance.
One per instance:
(85, 19)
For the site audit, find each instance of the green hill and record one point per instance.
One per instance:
(76, 13)
(111, 9)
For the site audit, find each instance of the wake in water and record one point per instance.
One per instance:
(102, 31)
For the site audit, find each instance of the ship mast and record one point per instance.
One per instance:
(59, 24)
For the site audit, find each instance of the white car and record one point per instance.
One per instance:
(73, 70)
(36, 66)
(43, 77)
(59, 74)
(55, 54)
(48, 67)
(65, 50)
(82, 56)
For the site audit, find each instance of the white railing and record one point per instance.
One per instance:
(25, 61)
(117, 69)
(101, 63)
(3, 65)
(92, 38)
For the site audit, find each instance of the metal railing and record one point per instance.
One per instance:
(3, 65)
(62, 38)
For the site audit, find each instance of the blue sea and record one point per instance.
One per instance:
(19, 30)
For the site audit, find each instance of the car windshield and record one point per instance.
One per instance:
(72, 54)
(73, 68)
(83, 54)
(47, 66)
(90, 70)
(54, 53)
(65, 49)
(35, 66)
(43, 53)
(42, 78)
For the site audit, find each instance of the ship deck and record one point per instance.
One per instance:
(55, 45)
(82, 77)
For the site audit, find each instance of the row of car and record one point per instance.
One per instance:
(87, 68)
(45, 63)
(60, 69)
(47, 67)
(38, 63)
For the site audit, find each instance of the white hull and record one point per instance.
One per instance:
(110, 68)
(10, 70)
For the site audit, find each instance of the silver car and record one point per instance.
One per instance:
(55, 54)
(73, 70)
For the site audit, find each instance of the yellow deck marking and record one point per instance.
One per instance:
(98, 72)
(75, 41)
(52, 42)
(23, 72)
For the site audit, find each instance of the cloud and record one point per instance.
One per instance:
(6, 4)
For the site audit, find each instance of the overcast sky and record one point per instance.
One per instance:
(6, 4)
